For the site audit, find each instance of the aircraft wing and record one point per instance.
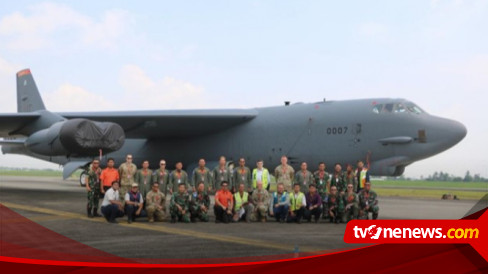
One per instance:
(10, 123)
(170, 123)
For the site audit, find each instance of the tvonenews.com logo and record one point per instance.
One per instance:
(468, 231)
(375, 232)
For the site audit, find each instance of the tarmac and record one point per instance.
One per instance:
(60, 206)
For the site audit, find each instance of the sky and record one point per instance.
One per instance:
(145, 55)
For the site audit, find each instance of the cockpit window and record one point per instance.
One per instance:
(407, 107)
(414, 108)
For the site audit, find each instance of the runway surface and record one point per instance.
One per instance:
(61, 207)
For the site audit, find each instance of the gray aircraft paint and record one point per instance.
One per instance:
(332, 131)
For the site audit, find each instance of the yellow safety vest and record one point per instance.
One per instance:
(239, 201)
(264, 178)
(294, 202)
(362, 177)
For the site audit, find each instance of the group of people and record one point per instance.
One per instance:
(240, 194)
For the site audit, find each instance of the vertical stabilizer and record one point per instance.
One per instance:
(28, 97)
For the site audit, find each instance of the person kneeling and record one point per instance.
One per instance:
(224, 202)
(297, 205)
(243, 208)
(111, 205)
(200, 204)
(133, 204)
(180, 205)
(279, 204)
(313, 204)
(155, 201)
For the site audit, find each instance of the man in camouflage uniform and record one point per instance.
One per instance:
(155, 204)
(352, 207)
(260, 200)
(200, 203)
(92, 185)
(222, 173)
(368, 202)
(337, 179)
(201, 174)
(304, 178)
(177, 177)
(127, 171)
(180, 205)
(321, 180)
(336, 205)
(242, 175)
(350, 177)
(161, 176)
(284, 173)
(143, 178)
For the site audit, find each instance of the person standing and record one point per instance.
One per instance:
(201, 174)
(143, 178)
(242, 175)
(304, 177)
(279, 203)
(260, 174)
(161, 176)
(177, 177)
(108, 175)
(350, 177)
(362, 174)
(285, 173)
(92, 185)
(127, 171)
(321, 181)
(222, 173)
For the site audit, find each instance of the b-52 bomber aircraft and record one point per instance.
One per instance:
(389, 134)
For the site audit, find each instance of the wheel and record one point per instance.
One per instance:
(83, 176)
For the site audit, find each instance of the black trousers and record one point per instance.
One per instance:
(130, 211)
(298, 216)
(221, 214)
(111, 212)
(314, 212)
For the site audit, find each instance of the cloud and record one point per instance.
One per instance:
(69, 97)
(144, 92)
(47, 25)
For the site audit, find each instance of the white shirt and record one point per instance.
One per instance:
(259, 175)
(127, 198)
(110, 195)
(304, 200)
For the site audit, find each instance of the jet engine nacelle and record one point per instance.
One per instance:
(77, 137)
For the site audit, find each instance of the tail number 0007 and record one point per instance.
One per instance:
(336, 130)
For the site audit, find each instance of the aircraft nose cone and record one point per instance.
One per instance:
(459, 131)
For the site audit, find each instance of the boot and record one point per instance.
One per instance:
(95, 213)
(89, 211)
